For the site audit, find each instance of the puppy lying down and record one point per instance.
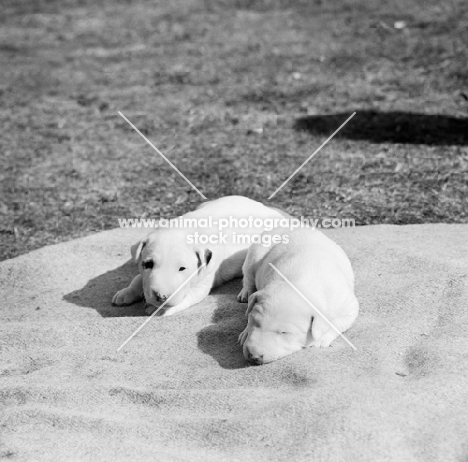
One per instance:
(280, 321)
(176, 270)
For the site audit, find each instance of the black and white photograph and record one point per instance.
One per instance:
(234, 230)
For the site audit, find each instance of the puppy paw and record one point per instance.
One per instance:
(323, 342)
(244, 295)
(125, 297)
(150, 309)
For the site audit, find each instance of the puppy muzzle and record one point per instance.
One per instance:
(159, 297)
(253, 359)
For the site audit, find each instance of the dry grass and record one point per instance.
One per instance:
(237, 94)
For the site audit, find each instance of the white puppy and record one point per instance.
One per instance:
(280, 321)
(169, 256)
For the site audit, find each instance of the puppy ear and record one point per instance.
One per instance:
(136, 250)
(254, 298)
(204, 257)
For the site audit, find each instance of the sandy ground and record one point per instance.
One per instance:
(181, 390)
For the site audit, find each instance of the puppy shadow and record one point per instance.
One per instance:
(98, 293)
(390, 127)
(219, 340)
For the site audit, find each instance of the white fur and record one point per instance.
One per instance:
(279, 320)
(169, 250)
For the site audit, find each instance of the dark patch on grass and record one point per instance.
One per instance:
(390, 127)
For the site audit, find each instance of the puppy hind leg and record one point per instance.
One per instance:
(255, 253)
(230, 268)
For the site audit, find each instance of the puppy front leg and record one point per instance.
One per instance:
(194, 296)
(131, 294)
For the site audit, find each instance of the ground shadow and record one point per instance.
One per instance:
(98, 293)
(219, 339)
(390, 127)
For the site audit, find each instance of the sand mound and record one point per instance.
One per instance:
(181, 390)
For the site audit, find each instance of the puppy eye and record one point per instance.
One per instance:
(148, 264)
(182, 268)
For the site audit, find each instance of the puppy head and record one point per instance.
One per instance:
(278, 324)
(166, 261)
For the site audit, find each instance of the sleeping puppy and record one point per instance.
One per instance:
(168, 257)
(280, 321)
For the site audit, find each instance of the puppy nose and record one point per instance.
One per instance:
(255, 360)
(159, 297)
